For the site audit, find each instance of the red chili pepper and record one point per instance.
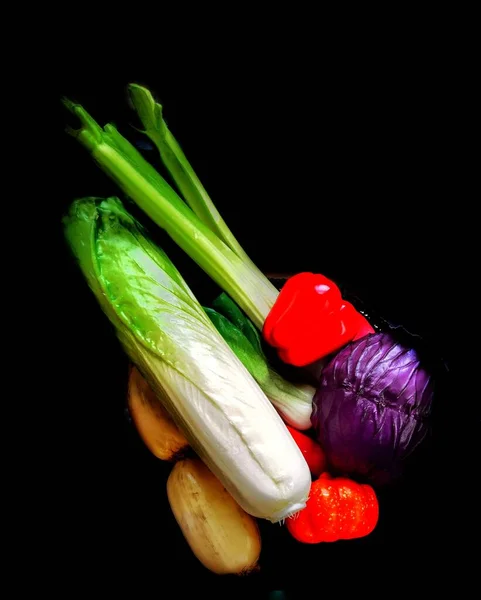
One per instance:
(310, 320)
(337, 509)
(313, 453)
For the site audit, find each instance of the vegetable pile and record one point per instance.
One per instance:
(246, 441)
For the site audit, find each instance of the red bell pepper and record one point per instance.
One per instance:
(337, 509)
(313, 453)
(311, 320)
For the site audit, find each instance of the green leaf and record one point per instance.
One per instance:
(227, 307)
(253, 361)
(293, 401)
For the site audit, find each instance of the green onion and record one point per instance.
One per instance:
(175, 161)
(250, 289)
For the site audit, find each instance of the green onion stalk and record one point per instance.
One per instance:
(202, 234)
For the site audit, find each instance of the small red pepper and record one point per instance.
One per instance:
(310, 320)
(337, 509)
(313, 453)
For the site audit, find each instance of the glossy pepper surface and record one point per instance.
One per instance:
(337, 509)
(311, 320)
(312, 451)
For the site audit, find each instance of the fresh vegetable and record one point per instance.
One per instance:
(293, 402)
(337, 509)
(310, 320)
(227, 307)
(252, 291)
(372, 407)
(221, 535)
(313, 453)
(210, 395)
(154, 424)
(181, 171)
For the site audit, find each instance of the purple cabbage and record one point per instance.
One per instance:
(372, 407)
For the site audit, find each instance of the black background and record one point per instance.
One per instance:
(345, 171)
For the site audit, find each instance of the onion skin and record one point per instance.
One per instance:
(372, 407)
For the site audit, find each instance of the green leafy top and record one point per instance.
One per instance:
(134, 280)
